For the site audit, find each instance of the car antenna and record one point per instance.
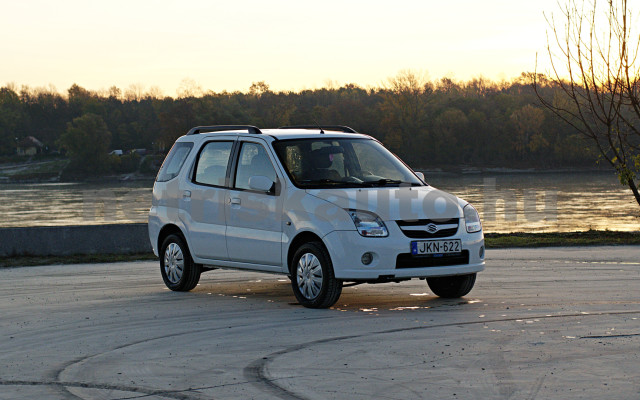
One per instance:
(319, 127)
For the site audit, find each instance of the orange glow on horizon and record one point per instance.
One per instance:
(288, 44)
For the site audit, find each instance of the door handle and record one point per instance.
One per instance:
(234, 200)
(186, 194)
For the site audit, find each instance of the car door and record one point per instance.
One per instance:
(254, 227)
(204, 196)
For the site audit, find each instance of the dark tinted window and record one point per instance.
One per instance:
(174, 161)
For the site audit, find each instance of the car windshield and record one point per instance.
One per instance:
(328, 163)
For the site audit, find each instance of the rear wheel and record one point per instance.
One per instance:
(312, 277)
(452, 286)
(178, 270)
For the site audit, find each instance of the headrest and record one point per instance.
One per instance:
(323, 157)
(260, 162)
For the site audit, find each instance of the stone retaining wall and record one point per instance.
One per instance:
(79, 239)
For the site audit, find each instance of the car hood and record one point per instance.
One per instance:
(396, 203)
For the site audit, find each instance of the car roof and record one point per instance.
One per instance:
(311, 133)
(278, 134)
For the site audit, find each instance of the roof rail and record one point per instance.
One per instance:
(216, 128)
(339, 128)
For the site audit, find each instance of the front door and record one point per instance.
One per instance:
(254, 227)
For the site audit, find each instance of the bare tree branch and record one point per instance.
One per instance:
(594, 70)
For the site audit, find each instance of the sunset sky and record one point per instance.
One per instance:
(291, 45)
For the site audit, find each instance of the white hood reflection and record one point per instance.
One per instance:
(396, 203)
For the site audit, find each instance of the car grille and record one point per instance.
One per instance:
(429, 229)
(407, 260)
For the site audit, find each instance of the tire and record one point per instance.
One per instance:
(312, 278)
(452, 286)
(178, 270)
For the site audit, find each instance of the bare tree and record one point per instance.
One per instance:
(135, 92)
(189, 88)
(595, 75)
(154, 92)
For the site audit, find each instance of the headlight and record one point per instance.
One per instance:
(471, 219)
(368, 224)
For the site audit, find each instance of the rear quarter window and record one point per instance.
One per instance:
(175, 160)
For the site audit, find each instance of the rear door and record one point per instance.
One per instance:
(204, 196)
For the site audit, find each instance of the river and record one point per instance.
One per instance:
(522, 202)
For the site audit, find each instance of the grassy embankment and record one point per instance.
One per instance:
(588, 238)
(22, 261)
(51, 168)
(492, 240)
(43, 169)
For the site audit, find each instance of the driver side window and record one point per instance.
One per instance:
(253, 161)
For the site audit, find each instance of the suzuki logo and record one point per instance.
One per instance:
(432, 228)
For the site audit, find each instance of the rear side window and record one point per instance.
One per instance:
(213, 160)
(174, 161)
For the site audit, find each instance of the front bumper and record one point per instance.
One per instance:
(346, 249)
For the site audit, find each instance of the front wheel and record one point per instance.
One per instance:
(178, 270)
(312, 277)
(452, 286)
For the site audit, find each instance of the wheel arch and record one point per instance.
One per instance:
(301, 238)
(170, 229)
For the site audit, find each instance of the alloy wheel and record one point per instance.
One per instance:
(309, 276)
(173, 263)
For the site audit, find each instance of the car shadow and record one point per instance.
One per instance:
(406, 296)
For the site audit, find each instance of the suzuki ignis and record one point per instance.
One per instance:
(324, 205)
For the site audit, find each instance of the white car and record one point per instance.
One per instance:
(323, 205)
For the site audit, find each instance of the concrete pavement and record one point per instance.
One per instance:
(556, 323)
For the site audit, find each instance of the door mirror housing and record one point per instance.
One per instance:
(261, 183)
(420, 175)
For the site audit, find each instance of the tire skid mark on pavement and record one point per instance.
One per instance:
(610, 336)
(55, 376)
(257, 372)
(173, 394)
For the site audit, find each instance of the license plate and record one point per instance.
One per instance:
(436, 247)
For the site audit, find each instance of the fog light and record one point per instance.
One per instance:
(367, 258)
(481, 253)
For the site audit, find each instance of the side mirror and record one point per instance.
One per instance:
(260, 183)
(420, 175)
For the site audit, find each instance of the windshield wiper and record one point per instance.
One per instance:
(325, 181)
(384, 182)
(334, 183)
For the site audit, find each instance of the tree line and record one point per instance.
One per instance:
(429, 123)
